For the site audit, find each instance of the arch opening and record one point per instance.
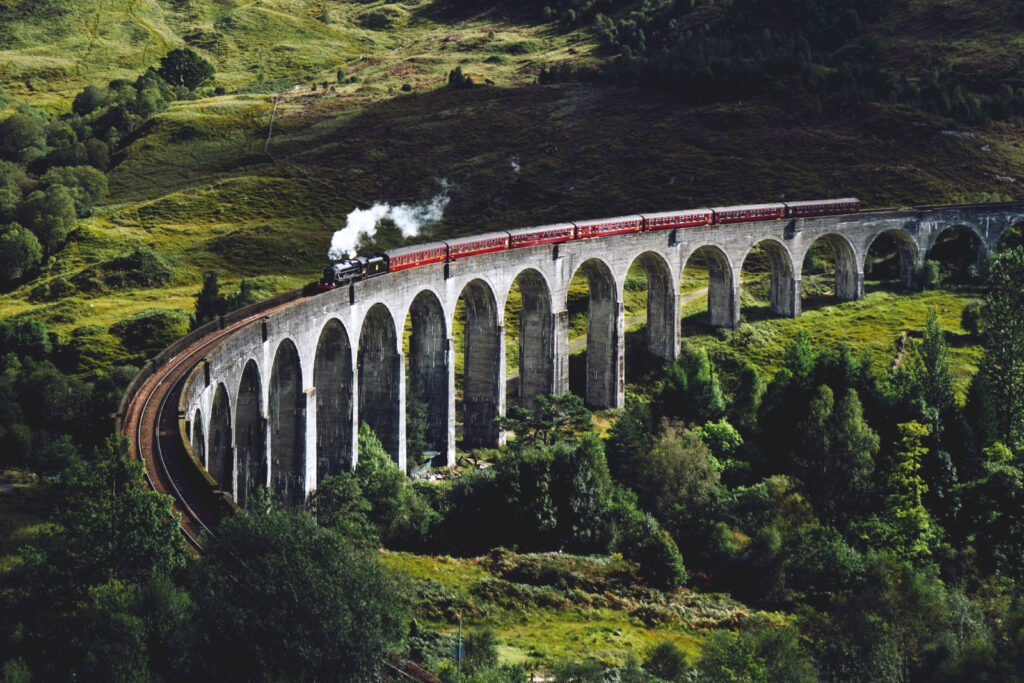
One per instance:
(956, 256)
(766, 277)
(829, 269)
(221, 464)
(593, 295)
(199, 437)
(707, 284)
(891, 259)
(250, 435)
(426, 389)
(1012, 236)
(380, 374)
(332, 377)
(480, 350)
(529, 344)
(287, 426)
(650, 306)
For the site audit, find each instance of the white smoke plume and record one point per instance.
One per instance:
(408, 217)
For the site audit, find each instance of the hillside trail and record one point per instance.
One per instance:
(581, 343)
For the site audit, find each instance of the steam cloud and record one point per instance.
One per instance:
(408, 217)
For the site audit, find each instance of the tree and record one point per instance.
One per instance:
(283, 599)
(677, 479)
(630, 435)
(22, 138)
(835, 456)
(747, 401)
(338, 503)
(937, 381)
(457, 79)
(553, 419)
(185, 67)
(20, 252)
(110, 525)
(667, 661)
(209, 302)
(401, 516)
(89, 100)
(85, 184)
(50, 215)
(1001, 371)
(906, 529)
(690, 390)
(582, 491)
(970, 318)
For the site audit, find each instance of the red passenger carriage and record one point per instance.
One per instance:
(417, 255)
(748, 212)
(676, 219)
(476, 245)
(542, 234)
(602, 227)
(822, 207)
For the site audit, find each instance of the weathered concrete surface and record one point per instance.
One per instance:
(298, 384)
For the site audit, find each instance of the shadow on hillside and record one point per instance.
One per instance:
(451, 11)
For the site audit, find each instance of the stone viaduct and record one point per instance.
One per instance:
(279, 402)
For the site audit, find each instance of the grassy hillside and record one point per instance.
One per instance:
(199, 184)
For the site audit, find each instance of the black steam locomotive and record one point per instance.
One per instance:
(351, 270)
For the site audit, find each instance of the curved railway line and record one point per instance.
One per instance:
(151, 424)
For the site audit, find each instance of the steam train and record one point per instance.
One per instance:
(362, 267)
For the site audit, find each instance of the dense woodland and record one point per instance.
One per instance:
(878, 513)
(876, 516)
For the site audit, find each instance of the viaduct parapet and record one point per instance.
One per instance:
(279, 402)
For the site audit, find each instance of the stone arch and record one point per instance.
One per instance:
(605, 360)
(1011, 235)
(953, 256)
(536, 337)
(907, 251)
(332, 377)
(783, 295)
(288, 425)
(723, 299)
(380, 378)
(199, 436)
(428, 367)
(849, 278)
(967, 225)
(221, 460)
(662, 306)
(482, 390)
(250, 434)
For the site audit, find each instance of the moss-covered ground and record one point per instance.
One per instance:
(546, 608)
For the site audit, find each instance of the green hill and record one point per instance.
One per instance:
(363, 115)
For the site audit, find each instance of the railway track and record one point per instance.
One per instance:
(151, 425)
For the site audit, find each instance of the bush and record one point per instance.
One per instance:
(20, 252)
(379, 20)
(185, 68)
(151, 330)
(970, 318)
(666, 661)
(458, 80)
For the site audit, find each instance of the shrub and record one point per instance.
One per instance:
(185, 68)
(150, 330)
(20, 252)
(458, 80)
(379, 20)
(970, 318)
(666, 661)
